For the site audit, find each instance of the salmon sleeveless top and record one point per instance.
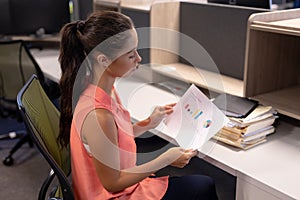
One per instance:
(85, 182)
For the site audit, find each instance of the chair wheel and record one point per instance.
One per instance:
(8, 161)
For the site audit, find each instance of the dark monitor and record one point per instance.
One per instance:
(25, 17)
(266, 4)
(219, 1)
(221, 30)
(5, 20)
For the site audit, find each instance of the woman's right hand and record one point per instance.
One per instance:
(179, 157)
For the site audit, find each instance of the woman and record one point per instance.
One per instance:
(103, 152)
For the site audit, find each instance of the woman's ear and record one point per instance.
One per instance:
(103, 60)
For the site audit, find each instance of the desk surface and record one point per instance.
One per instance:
(48, 62)
(273, 165)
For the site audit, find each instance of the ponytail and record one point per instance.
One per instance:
(71, 57)
(79, 39)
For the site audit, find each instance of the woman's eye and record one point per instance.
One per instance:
(132, 55)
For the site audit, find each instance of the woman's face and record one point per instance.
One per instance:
(128, 61)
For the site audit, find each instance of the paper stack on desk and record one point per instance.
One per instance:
(250, 131)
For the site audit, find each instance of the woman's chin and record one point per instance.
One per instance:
(129, 73)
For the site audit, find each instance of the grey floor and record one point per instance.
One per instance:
(24, 179)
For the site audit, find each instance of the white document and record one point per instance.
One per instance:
(194, 121)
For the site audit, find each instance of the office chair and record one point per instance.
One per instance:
(16, 66)
(42, 120)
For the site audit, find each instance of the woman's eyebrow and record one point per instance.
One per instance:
(131, 51)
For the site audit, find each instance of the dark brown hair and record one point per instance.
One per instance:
(78, 40)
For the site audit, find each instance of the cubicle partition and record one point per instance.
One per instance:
(221, 30)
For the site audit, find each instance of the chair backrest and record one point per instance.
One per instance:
(42, 120)
(16, 66)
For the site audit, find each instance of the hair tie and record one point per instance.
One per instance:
(80, 25)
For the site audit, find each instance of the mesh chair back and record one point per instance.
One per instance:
(16, 67)
(42, 119)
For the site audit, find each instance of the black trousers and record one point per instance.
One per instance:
(191, 187)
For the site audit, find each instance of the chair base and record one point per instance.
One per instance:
(8, 160)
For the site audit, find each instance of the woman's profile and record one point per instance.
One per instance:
(94, 53)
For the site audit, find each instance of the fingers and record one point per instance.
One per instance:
(168, 111)
(164, 110)
(187, 155)
(169, 108)
(183, 156)
(191, 152)
(171, 105)
(183, 162)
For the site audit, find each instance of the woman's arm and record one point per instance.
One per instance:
(105, 151)
(117, 180)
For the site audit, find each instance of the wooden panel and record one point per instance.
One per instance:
(164, 15)
(113, 5)
(203, 78)
(272, 72)
(290, 24)
(140, 5)
(275, 16)
(285, 101)
(273, 62)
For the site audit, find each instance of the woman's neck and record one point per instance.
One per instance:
(106, 83)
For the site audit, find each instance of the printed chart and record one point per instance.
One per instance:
(195, 120)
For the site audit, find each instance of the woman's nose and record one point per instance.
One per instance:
(138, 57)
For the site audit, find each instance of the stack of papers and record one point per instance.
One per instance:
(250, 131)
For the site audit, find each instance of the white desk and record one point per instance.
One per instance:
(48, 62)
(267, 172)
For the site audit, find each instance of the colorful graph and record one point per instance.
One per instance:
(194, 114)
(207, 123)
